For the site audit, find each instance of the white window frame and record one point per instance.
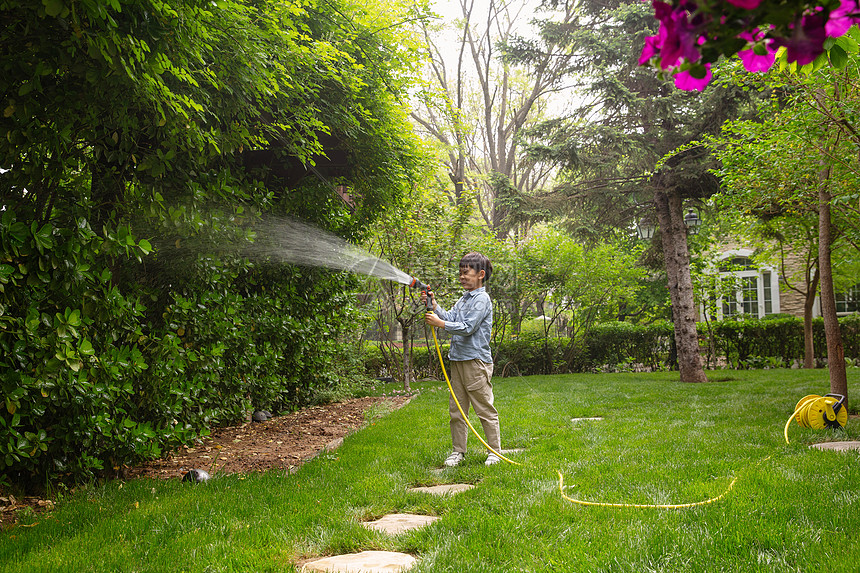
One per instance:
(758, 274)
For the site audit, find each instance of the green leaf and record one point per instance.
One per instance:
(86, 348)
(838, 57)
(19, 232)
(53, 7)
(848, 44)
(43, 237)
(145, 246)
(820, 62)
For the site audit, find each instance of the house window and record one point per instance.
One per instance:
(745, 300)
(849, 300)
(768, 292)
(754, 292)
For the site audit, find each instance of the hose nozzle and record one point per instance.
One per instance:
(418, 284)
(415, 283)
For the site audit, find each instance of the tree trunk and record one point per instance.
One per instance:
(809, 303)
(670, 216)
(835, 349)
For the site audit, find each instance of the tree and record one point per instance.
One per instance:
(632, 141)
(424, 236)
(581, 286)
(815, 170)
(479, 108)
(769, 200)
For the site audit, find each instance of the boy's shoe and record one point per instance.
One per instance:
(454, 459)
(492, 459)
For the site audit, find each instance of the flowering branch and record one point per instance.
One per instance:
(693, 34)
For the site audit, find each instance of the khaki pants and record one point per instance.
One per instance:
(470, 380)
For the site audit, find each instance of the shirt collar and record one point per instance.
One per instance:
(471, 293)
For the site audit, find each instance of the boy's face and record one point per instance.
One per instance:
(470, 279)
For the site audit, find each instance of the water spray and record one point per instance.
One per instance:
(291, 241)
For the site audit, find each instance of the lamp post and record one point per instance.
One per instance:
(692, 221)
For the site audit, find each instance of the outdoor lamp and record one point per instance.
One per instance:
(645, 229)
(692, 221)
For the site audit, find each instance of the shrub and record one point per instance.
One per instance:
(625, 343)
(99, 373)
(740, 339)
(527, 355)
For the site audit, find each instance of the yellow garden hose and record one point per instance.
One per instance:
(560, 475)
(465, 417)
(804, 402)
(642, 505)
(823, 407)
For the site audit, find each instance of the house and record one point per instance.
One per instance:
(750, 288)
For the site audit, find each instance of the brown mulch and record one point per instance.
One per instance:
(283, 442)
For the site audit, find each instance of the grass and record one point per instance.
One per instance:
(660, 442)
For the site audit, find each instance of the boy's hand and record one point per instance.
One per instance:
(424, 298)
(433, 320)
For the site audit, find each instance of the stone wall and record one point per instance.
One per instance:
(791, 301)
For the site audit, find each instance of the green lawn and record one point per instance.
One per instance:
(660, 442)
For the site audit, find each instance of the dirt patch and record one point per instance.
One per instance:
(283, 442)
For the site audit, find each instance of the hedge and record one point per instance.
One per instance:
(621, 346)
(742, 343)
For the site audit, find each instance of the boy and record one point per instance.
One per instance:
(469, 322)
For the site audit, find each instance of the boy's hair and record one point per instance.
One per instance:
(478, 262)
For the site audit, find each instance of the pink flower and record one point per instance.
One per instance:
(745, 4)
(752, 61)
(843, 18)
(756, 63)
(650, 49)
(807, 40)
(679, 36)
(685, 81)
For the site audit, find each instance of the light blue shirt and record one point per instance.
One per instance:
(470, 323)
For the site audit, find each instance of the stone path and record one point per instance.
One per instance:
(392, 524)
(837, 446)
(396, 523)
(364, 562)
(447, 489)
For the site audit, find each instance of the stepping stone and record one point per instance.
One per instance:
(395, 523)
(594, 419)
(447, 489)
(837, 446)
(364, 562)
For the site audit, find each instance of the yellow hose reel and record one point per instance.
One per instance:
(819, 412)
